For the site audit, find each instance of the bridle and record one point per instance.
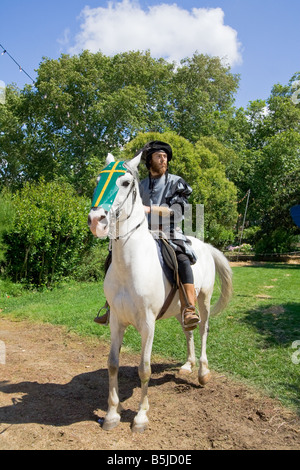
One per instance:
(117, 212)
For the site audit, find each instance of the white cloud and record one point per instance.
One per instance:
(64, 40)
(168, 31)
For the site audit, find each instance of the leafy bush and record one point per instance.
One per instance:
(278, 241)
(6, 220)
(49, 235)
(250, 234)
(92, 266)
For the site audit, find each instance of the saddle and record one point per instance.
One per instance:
(168, 260)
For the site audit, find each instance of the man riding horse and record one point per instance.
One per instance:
(164, 197)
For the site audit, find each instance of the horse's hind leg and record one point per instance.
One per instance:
(140, 422)
(112, 418)
(204, 309)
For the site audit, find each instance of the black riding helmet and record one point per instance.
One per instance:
(155, 146)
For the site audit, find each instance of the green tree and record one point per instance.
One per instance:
(278, 173)
(6, 220)
(216, 191)
(11, 140)
(81, 108)
(270, 168)
(84, 106)
(203, 95)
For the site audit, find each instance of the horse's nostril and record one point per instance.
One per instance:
(89, 220)
(102, 218)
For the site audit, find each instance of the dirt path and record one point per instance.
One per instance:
(53, 391)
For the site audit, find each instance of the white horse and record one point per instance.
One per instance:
(136, 288)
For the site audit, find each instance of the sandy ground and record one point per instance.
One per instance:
(53, 395)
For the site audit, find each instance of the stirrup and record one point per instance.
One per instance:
(191, 326)
(107, 310)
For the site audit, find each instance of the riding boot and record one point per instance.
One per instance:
(104, 319)
(190, 316)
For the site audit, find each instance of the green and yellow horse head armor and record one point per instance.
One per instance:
(107, 188)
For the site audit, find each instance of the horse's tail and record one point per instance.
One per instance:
(224, 272)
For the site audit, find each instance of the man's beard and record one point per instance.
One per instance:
(158, 169)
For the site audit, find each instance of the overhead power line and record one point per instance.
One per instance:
(20, 67)
(4, 51)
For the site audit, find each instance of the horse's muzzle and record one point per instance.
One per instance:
(98, 222)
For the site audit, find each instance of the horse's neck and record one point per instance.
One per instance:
(134, 236)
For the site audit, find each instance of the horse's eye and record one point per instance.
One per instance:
(125, 184)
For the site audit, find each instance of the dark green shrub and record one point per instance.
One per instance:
(278, 241)
(6, 220)
(92, 266)
(50, 234)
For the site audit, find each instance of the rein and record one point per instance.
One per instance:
(117, 212)
(128, 234)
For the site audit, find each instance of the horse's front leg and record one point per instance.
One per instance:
(187, 368)
(140, 422)
(112, 418)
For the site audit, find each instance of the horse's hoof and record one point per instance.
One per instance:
(108, 425)
(184, 372)
(139, 428)
(203, 380)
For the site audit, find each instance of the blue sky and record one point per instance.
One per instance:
(259, 38)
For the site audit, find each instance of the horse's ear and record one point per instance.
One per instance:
(134, 163)
(109, 159)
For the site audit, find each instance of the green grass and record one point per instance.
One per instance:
(73, 305)
(251, 340)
